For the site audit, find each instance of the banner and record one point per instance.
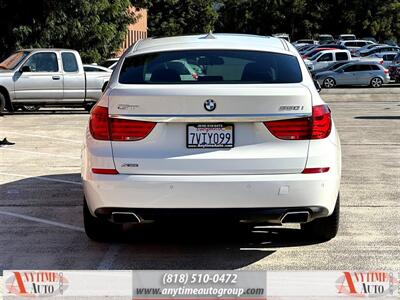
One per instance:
(191, 284)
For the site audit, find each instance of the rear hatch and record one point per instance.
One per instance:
(172, 147)
(208, 109)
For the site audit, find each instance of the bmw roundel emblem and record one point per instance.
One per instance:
(210, 105)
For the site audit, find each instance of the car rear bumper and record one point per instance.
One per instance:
(157, 195)
(245, 215)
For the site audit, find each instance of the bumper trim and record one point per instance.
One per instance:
(245, 215)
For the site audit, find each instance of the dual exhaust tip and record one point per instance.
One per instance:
(131, 217)
(296, 217)
(122, 217)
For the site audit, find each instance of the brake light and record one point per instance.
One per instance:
(315, 170)
(321, 122)
(316, 127)
(386, 71)
(105, 171)
(381, 62)
(129, 130)
(102, 127)
(98, 123)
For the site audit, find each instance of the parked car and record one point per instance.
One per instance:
(354, 45)
(284, 36)
(109, 62)
(396, 60)
(325, 38)
(330, 67)
(394, 72)
(314, 51)
(95, 68)
(370, 38)
(304, 49)
(305, 42)
(48, 77)
(387, 57)
(379, 49)
(334, 46)
(366, 48)
(347, 37)
(355, 73)
(325, 58)
(390, 42)
(249, 141)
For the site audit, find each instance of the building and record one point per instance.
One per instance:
(136, 31)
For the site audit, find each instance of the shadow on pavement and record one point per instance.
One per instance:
(151, 246)
(378, 117)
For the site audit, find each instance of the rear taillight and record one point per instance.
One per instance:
(316, 127)
(98, 123)
(315, 170)
(386, 71)
(105, 171)
(129, 130)
(102, 127)
(321, 122)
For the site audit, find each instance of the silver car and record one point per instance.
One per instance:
(355, 73)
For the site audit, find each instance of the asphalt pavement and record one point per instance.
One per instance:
(41, 202)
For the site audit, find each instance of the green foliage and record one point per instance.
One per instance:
(176, 17)
(95, 28)
(306, 18)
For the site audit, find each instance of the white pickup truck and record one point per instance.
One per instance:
(326, 58)
(34, 78)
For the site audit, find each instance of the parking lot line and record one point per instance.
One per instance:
(41, 178)
(39, 220)
(40, 153)
(45, 137)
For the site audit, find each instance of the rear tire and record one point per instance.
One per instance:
(2, 103)
(323, 229)
(376, 82)
(329, 83)
(88, 106)
(97, 229)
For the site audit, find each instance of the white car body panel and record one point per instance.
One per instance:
(261, 171)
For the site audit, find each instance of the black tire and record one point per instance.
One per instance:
(2, 103)
(323, 229)
(88, 106)
(329, 83)
(97, 229)
(376, 82)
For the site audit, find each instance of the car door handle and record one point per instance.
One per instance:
(56, 77)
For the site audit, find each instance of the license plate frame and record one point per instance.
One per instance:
(229, 145)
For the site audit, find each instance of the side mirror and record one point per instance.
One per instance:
(317, 85)
(25, 69)
(341, 71)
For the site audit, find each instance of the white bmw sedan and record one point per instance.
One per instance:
(245, 137)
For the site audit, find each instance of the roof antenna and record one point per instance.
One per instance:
(209, 36)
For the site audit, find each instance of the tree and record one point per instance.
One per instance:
(306, 18)
(95, 28)
(177, 17)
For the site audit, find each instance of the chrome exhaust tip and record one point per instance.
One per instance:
(296, 217)
(122, 217)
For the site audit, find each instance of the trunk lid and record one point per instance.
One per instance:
(246, 107)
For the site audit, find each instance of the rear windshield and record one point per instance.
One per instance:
(210, 66)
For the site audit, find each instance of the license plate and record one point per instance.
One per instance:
(210, 136)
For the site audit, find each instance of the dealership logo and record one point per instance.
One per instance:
(210, 105)
(36, 283)
(367, 284)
